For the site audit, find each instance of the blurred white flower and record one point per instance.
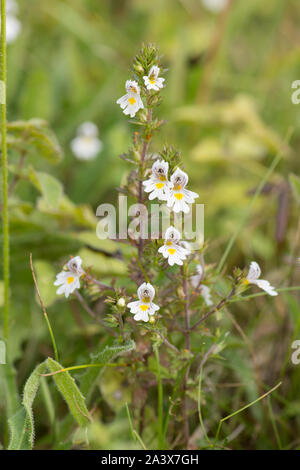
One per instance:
(144, 307)
(86, 144)
(253, 278)
(172, 248)
(152, 80)
(13, 25)
(204, 290)
(12, 7)
(179, 197)
(197, 278)
(131, 102)
(158, 185)
(215, 6)
(68, 280)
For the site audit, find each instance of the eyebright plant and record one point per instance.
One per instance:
(164, 322)
(183, 286)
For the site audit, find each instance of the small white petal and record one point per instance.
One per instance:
(254, 271)
(266, 286)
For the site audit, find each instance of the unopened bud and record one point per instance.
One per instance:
(121, 302)
(138, 68)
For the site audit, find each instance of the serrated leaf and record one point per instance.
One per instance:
(89, 378)
(71, 393)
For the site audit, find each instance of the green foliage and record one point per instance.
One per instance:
(70, 392)
(227, 105)
(22, 423)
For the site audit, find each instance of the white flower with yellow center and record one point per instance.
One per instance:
(132, 101)
(158, 185)
(253, 278)
(144, 307)
(69, 280)
(152, 80)
(204, 290)
(172, 248)
(86, 144)
(179, 197)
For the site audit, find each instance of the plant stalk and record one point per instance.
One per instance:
(5, 222)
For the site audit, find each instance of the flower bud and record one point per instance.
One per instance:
(138, 68)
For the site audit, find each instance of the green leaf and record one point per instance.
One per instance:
(71, 393)
(295, 184)
(48, 186)
(88, 380)
(22, 423)
(19, 437)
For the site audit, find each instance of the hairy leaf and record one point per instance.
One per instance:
(22, 423)
(70, 392)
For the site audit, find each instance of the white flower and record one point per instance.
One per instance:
(86, 145)
(132, 101)
(144, 307)
(13, 25)
(12, 7)
(13, 28)
(252, 278)
(152, 80)
(74, 265)
(179, 197)
(158, 185)
(69, 280)
(172, 248)
(215, 5)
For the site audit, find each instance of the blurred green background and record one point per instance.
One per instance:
(227, 105)
(227, 99)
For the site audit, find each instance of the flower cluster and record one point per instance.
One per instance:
(158, 186)
(132, 102)
(174, 192)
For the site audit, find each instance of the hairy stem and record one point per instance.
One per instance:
(188, 347)
(215, 309)
(44, 311)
